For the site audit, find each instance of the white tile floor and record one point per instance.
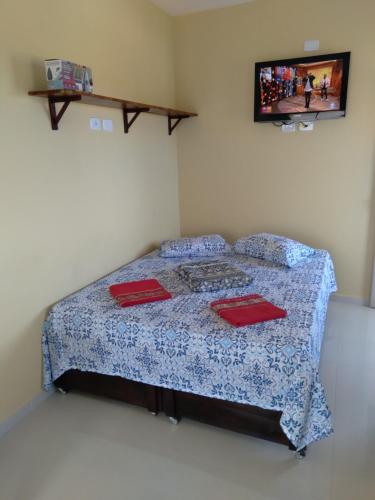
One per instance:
(79, 447)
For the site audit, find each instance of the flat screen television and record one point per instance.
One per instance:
(301, 89)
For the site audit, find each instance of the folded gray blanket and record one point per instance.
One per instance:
(211, 276)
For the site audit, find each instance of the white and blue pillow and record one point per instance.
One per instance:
(200, 246)
(276, 249)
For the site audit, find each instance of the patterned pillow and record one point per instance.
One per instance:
(277, 249)
(201, 246)
(212, 276)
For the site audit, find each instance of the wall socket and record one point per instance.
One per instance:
(95, 124)
(288, 128)
(311, 45)
(306, 126)
(107, 125)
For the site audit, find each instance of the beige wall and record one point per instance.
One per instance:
(236, 176)
(76, 204)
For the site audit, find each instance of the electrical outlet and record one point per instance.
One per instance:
(306, 126)
(311, 45)
(108, 125)
(95, 124)
(286, 129)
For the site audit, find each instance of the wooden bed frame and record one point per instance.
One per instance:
(246, 419)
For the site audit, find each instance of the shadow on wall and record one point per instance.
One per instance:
(24, 351)
(144, 251)
(28, 74)
(370, 258)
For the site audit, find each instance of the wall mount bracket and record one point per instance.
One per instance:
(132, 111)
(171, 125)
(56, 116)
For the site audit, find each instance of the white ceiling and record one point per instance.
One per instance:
(180, 7)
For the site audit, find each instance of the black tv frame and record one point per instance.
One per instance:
(290, 117)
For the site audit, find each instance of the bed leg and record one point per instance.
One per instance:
(152, 399)
(62, 390)
(174, 420)
(169, 406)
(300, 454)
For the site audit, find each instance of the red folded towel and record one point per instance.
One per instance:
(247, 310)
(138, 292)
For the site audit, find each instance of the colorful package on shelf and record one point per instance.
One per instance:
(88, 85)
(65, 75)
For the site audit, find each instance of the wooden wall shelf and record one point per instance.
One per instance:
(131, 110)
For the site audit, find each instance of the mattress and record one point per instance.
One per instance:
(182, 344)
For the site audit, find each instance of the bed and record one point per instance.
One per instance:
(179, 357)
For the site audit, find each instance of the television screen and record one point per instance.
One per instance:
(289, 88)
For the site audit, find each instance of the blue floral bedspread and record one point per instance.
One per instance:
(182, 344)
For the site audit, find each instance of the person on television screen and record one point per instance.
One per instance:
(308, 83)
(295, 82)
(324, 85)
